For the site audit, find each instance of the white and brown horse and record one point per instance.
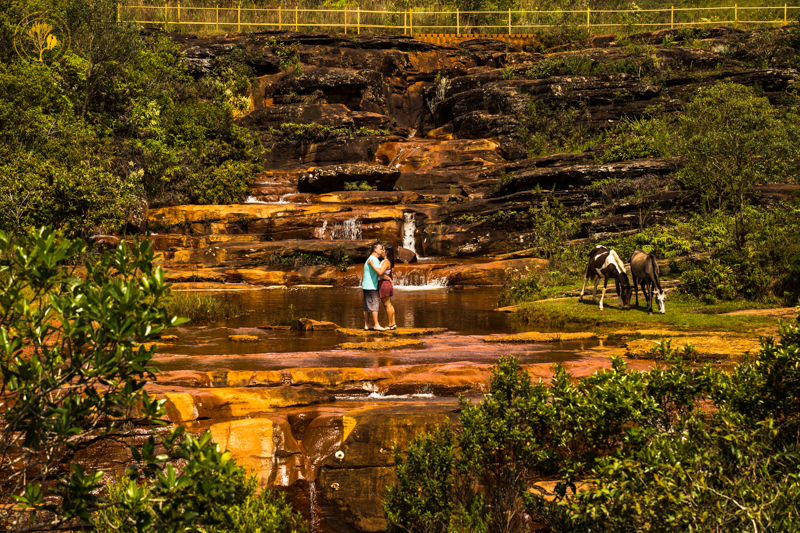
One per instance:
(606, 263)
(644, 271)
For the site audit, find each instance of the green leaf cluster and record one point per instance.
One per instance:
(76, 351)
(72, 359)
(115, 125)
(629, 450)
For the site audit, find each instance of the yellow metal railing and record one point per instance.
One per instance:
(446, 22)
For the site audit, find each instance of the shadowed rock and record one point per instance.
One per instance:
(333, 178)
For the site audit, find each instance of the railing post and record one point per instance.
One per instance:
(216, 12)
(509, 22)
(280, 22)
(358, 20)
(672, 17)
(411, 23)
(588, 11)
(345, 20)
(458, 22)
(166, 17)
(784, 14)
(735, 15)
(295, 18)
(179, 14)
(239, 18)
(118, 13)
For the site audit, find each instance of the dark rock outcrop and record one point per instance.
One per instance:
(333, 178)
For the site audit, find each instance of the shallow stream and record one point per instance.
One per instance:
(467, 313)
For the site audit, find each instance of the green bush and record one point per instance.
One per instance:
(673, 448)
(357, 186)
(116, 124)
(250, 512)
(643, 137)
(519, 287)
(73, 365)
(734, 140)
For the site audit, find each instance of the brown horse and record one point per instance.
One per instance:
(644, 271)
(606, 263)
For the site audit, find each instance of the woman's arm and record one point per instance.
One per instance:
(381, 268)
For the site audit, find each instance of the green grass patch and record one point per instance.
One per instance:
(684, 313)
(203, 307)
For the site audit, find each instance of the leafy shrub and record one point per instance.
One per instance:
(653, 455)
(519, 287)
(552, 227)
(548, 128)
(734, 140)
(643, 137)
(357, 186)
(62, 340)
(710, 281)
(250, 512)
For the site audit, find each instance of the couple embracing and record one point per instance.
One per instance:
(377, 285)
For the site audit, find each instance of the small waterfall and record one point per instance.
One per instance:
(284, 199)
(313, 505)
(319, 233)
(409, 231)
(420, 280)
(349, 230)
(253, 200)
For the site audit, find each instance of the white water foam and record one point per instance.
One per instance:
(419, 281)
(282, 200)
(409, 232)
(253, 200)
(319, 233)
(380, 396)
(349, 230)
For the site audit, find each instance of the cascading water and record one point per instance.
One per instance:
(349, 230)
(319, 233)
(409, 231)
(419, 280)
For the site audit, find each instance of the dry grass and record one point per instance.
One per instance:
(242, 338)
(535, 336)
(399, 332)
(712, 347)
(382, 344)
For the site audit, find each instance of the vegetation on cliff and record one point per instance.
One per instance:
(75, 354)
(733, 140)
(117, 123)
(674, 448)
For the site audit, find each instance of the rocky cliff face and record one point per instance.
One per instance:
(443, 134)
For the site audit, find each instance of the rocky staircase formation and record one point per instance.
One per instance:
(437, 135)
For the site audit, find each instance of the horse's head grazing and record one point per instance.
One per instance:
(660, 297)
(625, 293)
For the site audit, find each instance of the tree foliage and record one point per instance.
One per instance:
(75, 355)
(116, 124)
(629, 451)
(735, 140)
